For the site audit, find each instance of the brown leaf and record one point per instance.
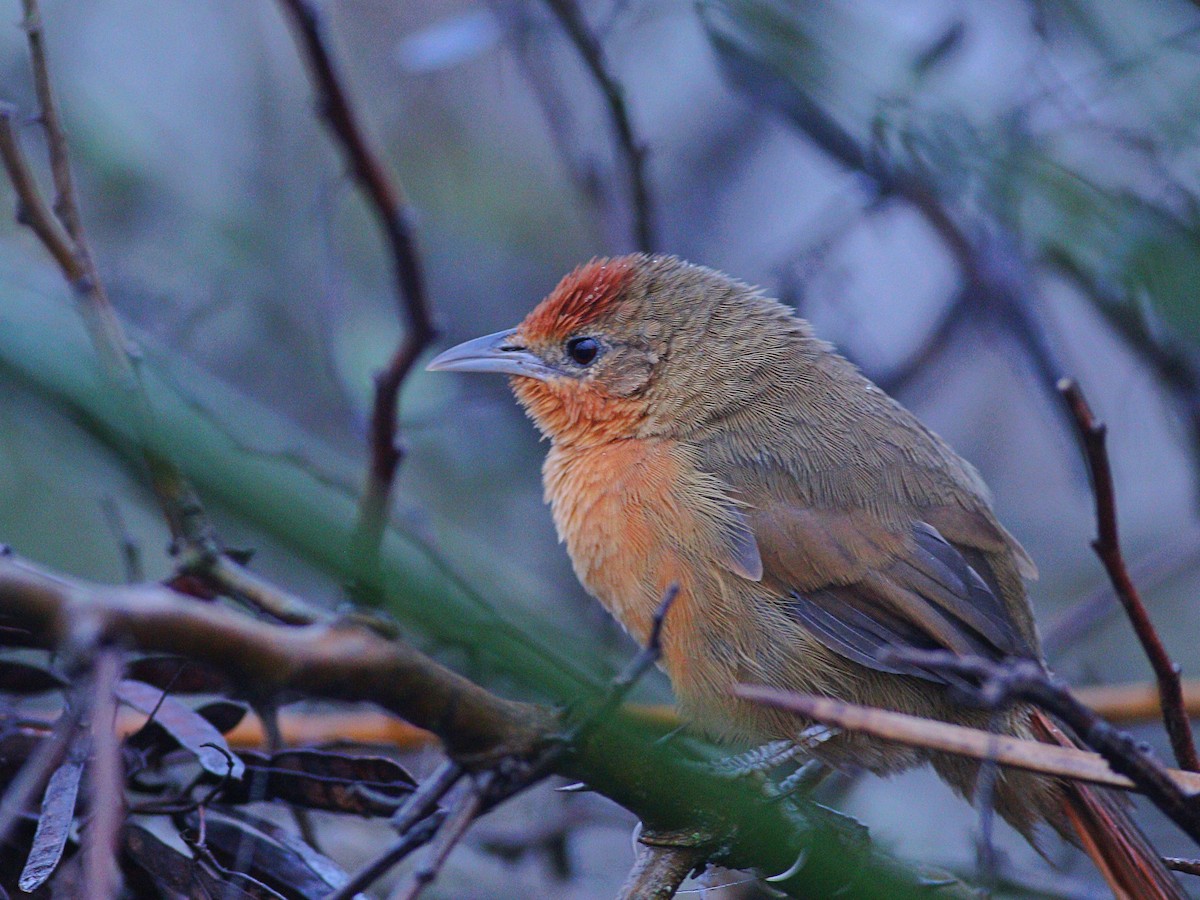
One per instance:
(234, 838)
(178, 675)
(54, 822)
(318, 779)
(25, 678)
(176, 873)
(193, 732)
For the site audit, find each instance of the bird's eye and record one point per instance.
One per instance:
(583, 350)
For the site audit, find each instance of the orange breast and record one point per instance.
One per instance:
(618, 508)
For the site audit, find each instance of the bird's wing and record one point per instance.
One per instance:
(860, 584)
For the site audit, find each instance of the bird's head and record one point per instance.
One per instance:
(631, 346)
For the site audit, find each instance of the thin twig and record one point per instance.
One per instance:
(1016, 679)
(458, 820)
(1108, 547)
(422, 801)
(630, 148)
(1186, 866)
(386, 198)
(974, 743)
(30, 781)
(66, 202)
(620, 687)
(131, 552)
(68, 245)
(106, 782)
(414, 838)
(242, 584)
(660, 868)
(32, 209)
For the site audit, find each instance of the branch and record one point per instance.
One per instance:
(238, 582)
(464, 811)
(32, 209)
(1108, 547)
(68, 245)
(340, 662)
(66, 203)
(994, 271)
(660, 867)
(1003, 683)
(631, 150)
(480, 731)
(106, 782)
(387, 200)
(931, 734)
(1140, 702)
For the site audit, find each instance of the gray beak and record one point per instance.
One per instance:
(499, 353)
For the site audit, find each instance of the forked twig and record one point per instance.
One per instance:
(386, 198)
(1108, 547)
(61, 232)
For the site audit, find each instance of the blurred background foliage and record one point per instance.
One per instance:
(969, 199)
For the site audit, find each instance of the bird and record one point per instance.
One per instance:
(703, 437)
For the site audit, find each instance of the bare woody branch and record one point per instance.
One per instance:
(1108, 547)
(996, 275)
(66, 202)
(464, 811)
(61, 232)
(630, 148)
(659, 869)
(1139, 702)
(913, 731)
(386, 198)
(331, 661)
(32, 209)
(106, 782)
(1003, 683)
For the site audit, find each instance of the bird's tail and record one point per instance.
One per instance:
(1099, 823)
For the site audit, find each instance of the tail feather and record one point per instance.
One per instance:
(1104, 830)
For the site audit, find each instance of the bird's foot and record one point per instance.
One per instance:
(757, 760)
